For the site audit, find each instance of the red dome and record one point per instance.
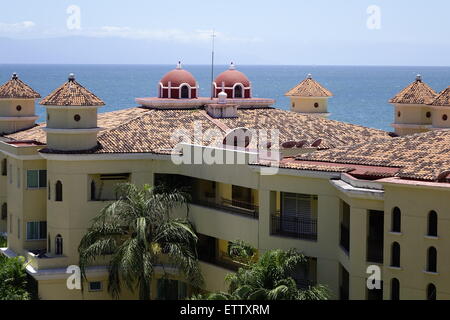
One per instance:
(178, 77)
(231, 77)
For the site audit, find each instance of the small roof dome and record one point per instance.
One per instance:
(231, 77)
(178, 76)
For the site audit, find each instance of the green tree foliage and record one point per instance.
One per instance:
(13, 279)
(137, 233)
(267, 278)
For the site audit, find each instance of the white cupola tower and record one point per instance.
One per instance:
(17, 111)
(72, 117)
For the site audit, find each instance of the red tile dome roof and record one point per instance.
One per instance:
(231, 77)
(177, 77)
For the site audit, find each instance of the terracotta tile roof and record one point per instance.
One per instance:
(17, 89)
(72, 93)
(423, 156)
(417, 92)
(107, 121)
(309, 88)
(443, 99)
(152, 131)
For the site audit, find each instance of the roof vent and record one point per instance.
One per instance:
(71, 77)
(316, 143)
(289, 144)
(419, 78)
(238, 137)
(179, 66)
(443, 176)
(14, 76)
(301, 144)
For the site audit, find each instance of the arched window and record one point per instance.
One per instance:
(184, 92)
(432, 224)
(396, 220)
(432, 259)
(395, 289)
(431, 292)
(93, 190)
(4, 168)
(58, 191)
(4, 211)
(238, 91)
(395, 255)
(58, 245)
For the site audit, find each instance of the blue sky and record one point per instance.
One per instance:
(300, 32)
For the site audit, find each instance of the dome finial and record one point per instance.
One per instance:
(14, 76)
(179, 66)
(419, 78)
(71, 77)
(232, 66)
(309, 76)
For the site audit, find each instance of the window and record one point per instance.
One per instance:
(18, 108)
(432, 224)
(298, 213)
(431, 292)
(4, 167)
(395, 289)
(36, 179)
(171, 289)
(93, 190)
(58, 191)
(432, 259)
(58, 245)
(184, 92)
(36, 230)
(4, 211)
(95, 286)
(77, 117)
(399, 114)
(444, 117)
(395, 255)
(316, 105)
(428, 114)
(238, 91)
(396, 220)
(49, 191)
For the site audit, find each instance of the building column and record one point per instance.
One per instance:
(358, 253)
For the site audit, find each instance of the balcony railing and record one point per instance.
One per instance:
(345, 238)
(231, 206)
(294, 227)
(375, 250)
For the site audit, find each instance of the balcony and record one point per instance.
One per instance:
(375, 250)
(231, 206)
(294, 227)
(39, 259)
(345, 238)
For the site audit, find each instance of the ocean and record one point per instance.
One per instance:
(361, 93)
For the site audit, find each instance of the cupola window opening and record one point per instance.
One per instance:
(184, 92)
(238, 91)
(19, 108)
(77, 117)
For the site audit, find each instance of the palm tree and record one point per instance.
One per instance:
(136, 232)
(269, 278)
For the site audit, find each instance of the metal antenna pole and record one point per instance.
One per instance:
(212, 64)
